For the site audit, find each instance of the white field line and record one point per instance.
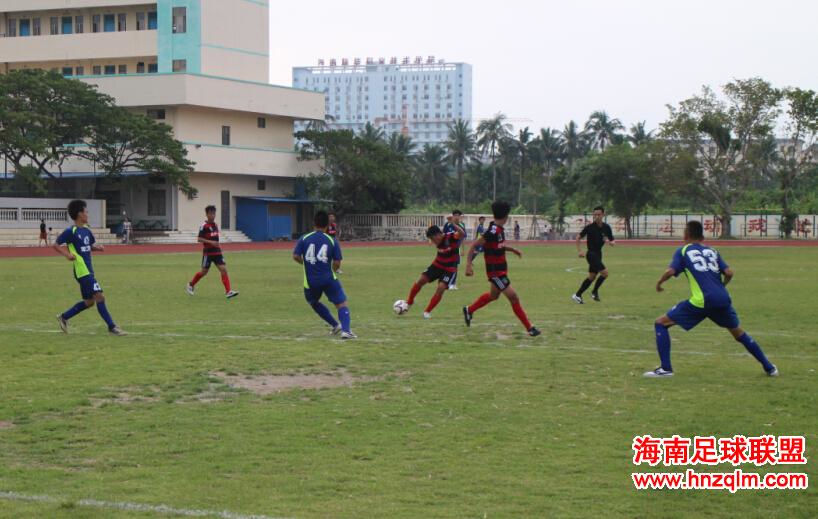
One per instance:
(525, 343)
(129, 507)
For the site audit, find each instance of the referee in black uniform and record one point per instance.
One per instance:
(596, 233)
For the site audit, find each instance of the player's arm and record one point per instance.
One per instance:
(208, 242)
(514, 251)
(297, 253)
(98, 247)
(479, 242)
(579, 246)
(726, 275)
(611, 239)
(669, 273)
(298, 259)
(60, 245)
(459, 234)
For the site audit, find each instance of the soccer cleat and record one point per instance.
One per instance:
(658, 373)
(595, 297)
(190, 290)
(467, 315)
(336, 330)
(533, 331)
(427, 315)
(116, 330)
(452, 287)
(63, 324)
(773, 372)
(339, 271)
(577, 299)
(348, 335)
(231, 294)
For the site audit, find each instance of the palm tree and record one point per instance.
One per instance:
(639, 135)
(574, 143)
(489, 135)
(431, 168)
(549, 145)
(461, 147)
(372, 134)
(522, 147)
(402, 145)
(601, 129)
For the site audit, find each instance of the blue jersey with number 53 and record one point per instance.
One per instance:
(703, 267)
(318, 250)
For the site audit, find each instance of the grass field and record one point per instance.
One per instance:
(444, 421)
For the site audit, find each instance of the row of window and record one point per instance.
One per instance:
(365, 79)
(416, 117)
(76, 24)
(108, 70)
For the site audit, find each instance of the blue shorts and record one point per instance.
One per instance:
(88, 286)
(688, 316)
(333, 290)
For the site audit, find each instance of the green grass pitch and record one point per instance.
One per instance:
(445, 422)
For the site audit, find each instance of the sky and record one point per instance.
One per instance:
(545, 62)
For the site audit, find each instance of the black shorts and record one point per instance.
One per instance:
(207, 260)
(501, 282)
(594, 260)
(438, 274)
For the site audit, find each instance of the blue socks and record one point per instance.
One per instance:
(755, 350)
(323, 313)
(74, 310)
(343, 316)
(103, 311)
(663, 346)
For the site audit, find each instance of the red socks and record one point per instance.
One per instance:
(413, 293)
(480, 303)
(433, 302)
(196, 279)
(520, 313)
(226, 282)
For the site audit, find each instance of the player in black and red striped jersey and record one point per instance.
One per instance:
(494, 246)
(211, 254)
(334, 233)
(443, 268)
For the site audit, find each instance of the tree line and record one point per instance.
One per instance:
(747, 146)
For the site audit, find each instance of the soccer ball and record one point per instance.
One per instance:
(400, 307)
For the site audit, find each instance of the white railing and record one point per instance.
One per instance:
(8, 215)
(51, 215)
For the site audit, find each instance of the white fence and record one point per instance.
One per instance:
(400, 227)
(26, 213)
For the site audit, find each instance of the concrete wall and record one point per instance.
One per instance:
(204, 125)
(24, 213)
(235, 39)
(234, 64)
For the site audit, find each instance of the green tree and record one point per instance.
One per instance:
(490, 133)
(371, 133)
(602, 130)
(461, 147)
(522, 147)
(725, 136)
(431, 171)
(565, 184)
(575, 143)
(639, 135)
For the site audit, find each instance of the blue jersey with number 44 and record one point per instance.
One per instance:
(318, 250)
(703, 267)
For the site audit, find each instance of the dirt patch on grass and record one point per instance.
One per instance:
(270, 384)
(5, 425)
(127, 396)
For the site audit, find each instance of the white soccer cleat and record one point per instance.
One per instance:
(63, 324)
(577, 299)
(452, 287)
(658, 373)
(190, 290)
(773, 373)
(348, 335)
(427, 315)
(231, 294)
(336, 330)
(116, 330)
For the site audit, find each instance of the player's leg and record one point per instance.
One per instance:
(453, 280)
(442, 286)
(199, 275)
(480, 302)
(86, 302)
(727, 318)
(422, 280)
(603, 275)
(517, 307)
(102, 308)
(220, 264)
(335, 293)
(313, 296)
(686, 316)
(586, 283)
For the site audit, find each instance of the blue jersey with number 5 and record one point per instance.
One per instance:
(703, 267)
(318, 250)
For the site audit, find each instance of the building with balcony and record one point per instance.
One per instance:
(200, 66)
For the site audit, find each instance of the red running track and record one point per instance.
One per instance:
(30, 252)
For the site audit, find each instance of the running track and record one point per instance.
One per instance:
(30, 252)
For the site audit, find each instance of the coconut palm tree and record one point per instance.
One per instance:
(549, 146)
(431, 167)
(372, 133)
(575, 144)
(402, 145)
(522, 147)
(461, 148)
(602, 130)
(639, 135)
(490, 133)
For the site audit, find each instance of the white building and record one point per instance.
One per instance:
(417, 98)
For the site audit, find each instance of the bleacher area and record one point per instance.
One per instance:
(30, 237)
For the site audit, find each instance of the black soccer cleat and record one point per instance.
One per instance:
(533, 331)
(595, 297)
(467, 315)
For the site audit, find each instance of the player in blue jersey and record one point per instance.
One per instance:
(707, 274)
(452, 225)
(75, 244)
(478, 232)
(320, 254)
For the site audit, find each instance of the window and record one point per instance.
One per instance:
(123, 69)
(153, 68)
(262, 122)
(11, 28)
(180, 65)
(95, 20)
(225, 136)
(35, 27)
(152, 20)
(67, 71)
(109, 23)
(179, 20)
(55, 25)
(156, 202)
(262, 185)
(25, 27)
(140, 21)
(79, 24)
(110, 69)
(67, 25)
(121, 22)
(140, 67)
(80, 71)
(156, 113)
(97, 70)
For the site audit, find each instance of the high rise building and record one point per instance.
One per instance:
(200, 66)
(418, 98)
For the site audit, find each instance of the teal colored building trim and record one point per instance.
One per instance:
(263, 3)
(246, 148)
(187, 45)
(240, 51)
